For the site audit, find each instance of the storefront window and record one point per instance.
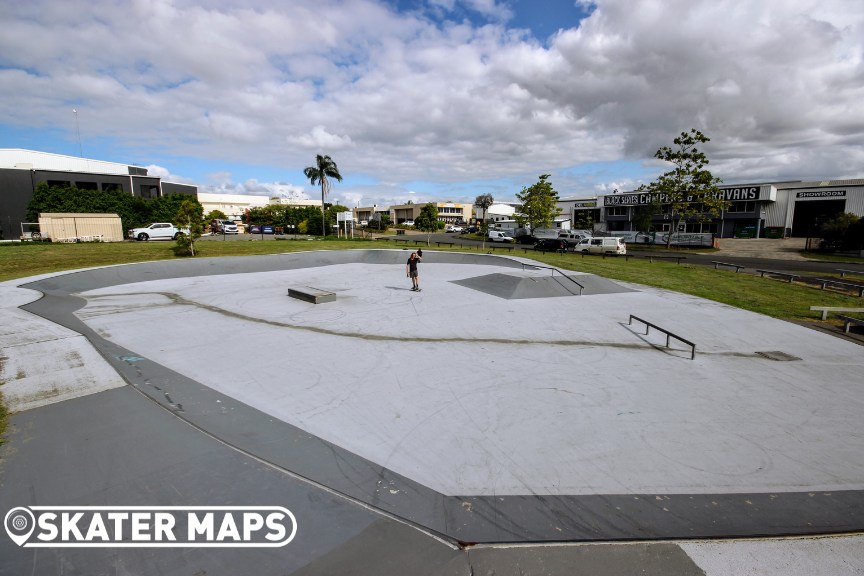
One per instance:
(738, 207)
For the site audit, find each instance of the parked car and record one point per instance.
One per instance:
(223, 227)
(157, 231)
(498, 236)
(605, 245)
(550, 245)
(471, 230)
(452, 228)
(527, 239)
(408, 223)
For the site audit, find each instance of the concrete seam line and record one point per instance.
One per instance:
(432, 534)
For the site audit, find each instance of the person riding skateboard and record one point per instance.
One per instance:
(411, 270)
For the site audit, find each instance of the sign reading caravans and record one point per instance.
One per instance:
(640, 199)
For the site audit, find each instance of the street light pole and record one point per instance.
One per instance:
(78, 132)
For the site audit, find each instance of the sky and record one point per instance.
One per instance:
(436, 100)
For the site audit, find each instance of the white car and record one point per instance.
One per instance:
(452, 228)
(408, 223)
(157, 231)
(224, 227)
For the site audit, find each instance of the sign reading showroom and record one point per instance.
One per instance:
(822, 194)
(150, 526)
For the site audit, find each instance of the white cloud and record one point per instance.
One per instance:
(319, 138)
(399, 98)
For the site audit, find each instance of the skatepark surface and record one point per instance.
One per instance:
(509, 415)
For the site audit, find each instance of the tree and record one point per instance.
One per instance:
(427, 221)
(215, 215)
(190, 215)
(583, 220)
(689, 190)
(379, 222)
(324, 169)
(843, 232)
(484, 201)
(643, 216)
(539, 204)
(484, 232)
(133, 211)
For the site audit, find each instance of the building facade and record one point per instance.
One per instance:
(22, 170)
(755, 210)
(448, 212)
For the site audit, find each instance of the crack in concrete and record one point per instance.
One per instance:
(180, 300)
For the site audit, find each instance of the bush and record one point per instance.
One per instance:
(843, 232)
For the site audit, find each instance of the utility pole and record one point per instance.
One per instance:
(78, 132)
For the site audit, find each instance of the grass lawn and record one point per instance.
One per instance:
(829, 257)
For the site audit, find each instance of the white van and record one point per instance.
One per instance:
(498, 236)
(605, 245)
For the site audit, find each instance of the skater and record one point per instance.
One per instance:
(411, 270)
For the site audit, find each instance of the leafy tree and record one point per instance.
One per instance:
(689, 190)
(133, 211)
(313, 219)
(427, 221)
(484, 233)
(843, 232)
(380, 222)
(215, 215)
(281, 215)
(324, 169)
(484, 201)
(190, 215)
(643, 216)
(539, 204)
(165, 208)
(584, 220)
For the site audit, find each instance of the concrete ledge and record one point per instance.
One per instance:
(312, 295)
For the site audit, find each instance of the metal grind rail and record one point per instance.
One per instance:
(669, 335)
(581, 287)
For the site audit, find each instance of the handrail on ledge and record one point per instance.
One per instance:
(581, 287)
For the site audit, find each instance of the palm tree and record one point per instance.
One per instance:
(324, 168)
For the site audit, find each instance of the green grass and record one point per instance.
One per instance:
(775, 298)
(29, 259)
(829, 257)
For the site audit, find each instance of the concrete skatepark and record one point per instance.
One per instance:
(494, 411)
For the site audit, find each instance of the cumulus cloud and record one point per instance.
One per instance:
(454, 93)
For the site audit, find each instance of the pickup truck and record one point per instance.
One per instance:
(157, 231)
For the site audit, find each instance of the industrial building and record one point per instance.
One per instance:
(22, 170)
(784, 208)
